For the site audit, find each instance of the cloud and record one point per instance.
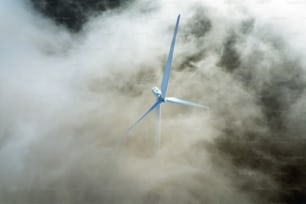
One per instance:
(66, 96)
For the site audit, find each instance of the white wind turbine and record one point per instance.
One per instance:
(161, 94)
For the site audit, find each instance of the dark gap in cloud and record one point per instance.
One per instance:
(230, 58)
(198, 26)
(190, 61)
(74, 13)
(247, 25)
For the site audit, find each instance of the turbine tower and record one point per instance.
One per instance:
(160, 95)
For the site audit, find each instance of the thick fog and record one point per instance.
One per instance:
(70, 87)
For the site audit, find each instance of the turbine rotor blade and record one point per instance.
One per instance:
(158, 124)
(184, 102)
(139, 120)
(165, 80)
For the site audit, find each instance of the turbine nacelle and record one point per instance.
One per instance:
(157, 93)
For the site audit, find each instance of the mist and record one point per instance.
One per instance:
(70, 88)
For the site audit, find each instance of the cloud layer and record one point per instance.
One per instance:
(66, 96)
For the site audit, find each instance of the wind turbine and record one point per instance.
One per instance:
(161, 94)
